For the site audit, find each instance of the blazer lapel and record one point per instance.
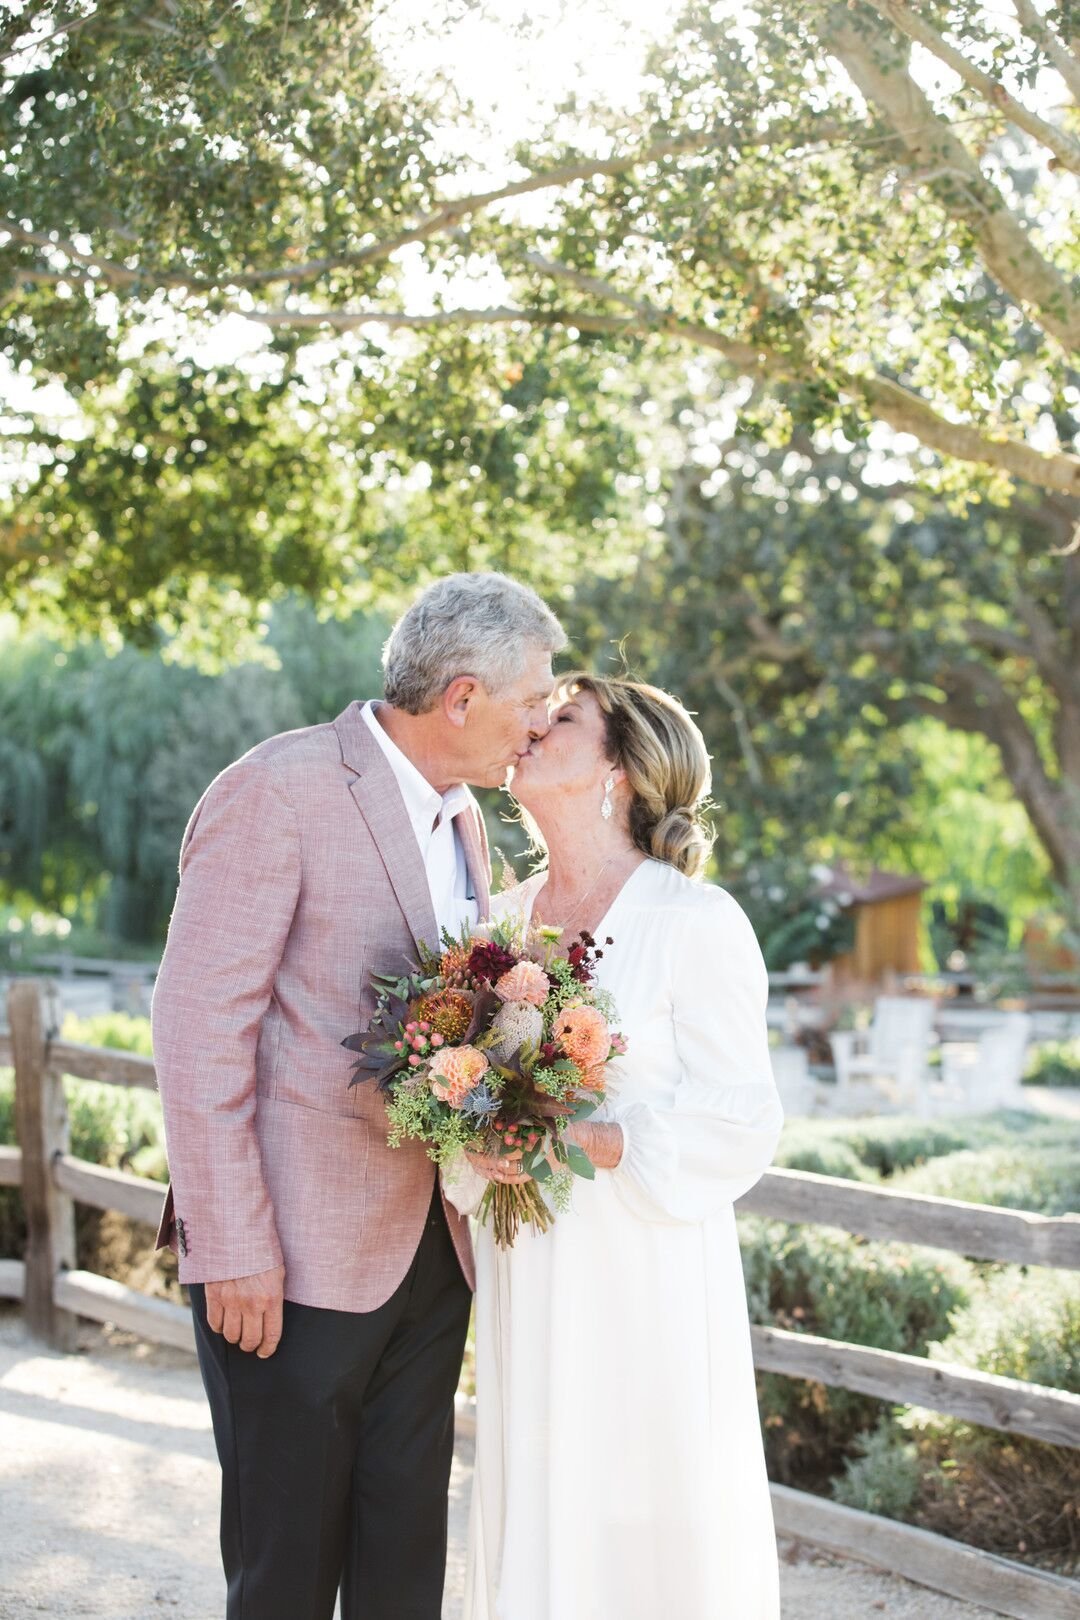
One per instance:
(467, 826)
(378, 798)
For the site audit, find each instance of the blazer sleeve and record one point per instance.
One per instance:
(239, 886)
(710, 1144)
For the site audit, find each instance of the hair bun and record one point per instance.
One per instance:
(680, 837)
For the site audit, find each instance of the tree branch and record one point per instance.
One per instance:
(1048, 652)
(116, 274)
(1064, 148)
(1053, 47)
(909, 413)
(71, 27)
(344, 320)
(728, 694)
(870, 56)
(772, 643)
(441, 219)
(995, 638)
(890, 401)
(974, 699)
(899, 406)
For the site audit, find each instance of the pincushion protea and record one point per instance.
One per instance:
(449, 1012)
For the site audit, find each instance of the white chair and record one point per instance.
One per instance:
(791, 1071)
(979, 1076)
(889, 1074)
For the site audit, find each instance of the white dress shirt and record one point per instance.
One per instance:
(432, 817)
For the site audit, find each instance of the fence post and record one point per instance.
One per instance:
(41, 1127)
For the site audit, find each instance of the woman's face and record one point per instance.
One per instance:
(569, 761)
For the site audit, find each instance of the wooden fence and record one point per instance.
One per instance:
(55, 1294)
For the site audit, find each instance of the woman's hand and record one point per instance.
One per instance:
(599, 1141)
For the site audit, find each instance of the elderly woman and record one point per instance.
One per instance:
(620, 1471)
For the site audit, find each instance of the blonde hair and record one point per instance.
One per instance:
(653, 739)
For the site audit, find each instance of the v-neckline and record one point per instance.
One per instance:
(604, 920)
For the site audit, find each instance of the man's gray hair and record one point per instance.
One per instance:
(466, 624)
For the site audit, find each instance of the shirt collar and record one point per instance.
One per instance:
(422, 801)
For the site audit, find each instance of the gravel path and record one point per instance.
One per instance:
(108, 1498)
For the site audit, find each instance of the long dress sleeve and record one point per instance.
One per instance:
(706, 1146)
(463, 1187)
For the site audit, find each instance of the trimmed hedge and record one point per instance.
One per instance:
(110, 1125)
(1045, 1180)
(815, 1281)
(1012, 1496)
(1053, 1063)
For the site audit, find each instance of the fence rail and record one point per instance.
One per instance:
(980, 1231)
(55, 1294)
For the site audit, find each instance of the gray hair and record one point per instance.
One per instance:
(466, 624)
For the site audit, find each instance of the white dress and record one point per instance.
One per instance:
(620, 1473)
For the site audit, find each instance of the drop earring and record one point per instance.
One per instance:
(607, 807)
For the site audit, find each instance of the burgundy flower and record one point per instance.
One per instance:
(490, 962)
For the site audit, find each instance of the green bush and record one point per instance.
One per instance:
(975, 1484)
(109, 1125)
(1021, 1324)
(1053, 1063)
(121, 1031)
(1045, 1180)
(840, 1287)
(883, 1475)
(890, 1145)
(822, 1155)
(863, 1150)
(1010, 1495)
(871, 1149)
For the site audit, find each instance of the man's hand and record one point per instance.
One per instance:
(247, 1310)
(503, 1168)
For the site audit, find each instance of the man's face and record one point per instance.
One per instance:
(498, 730)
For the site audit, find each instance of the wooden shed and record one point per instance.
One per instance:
(887, 906)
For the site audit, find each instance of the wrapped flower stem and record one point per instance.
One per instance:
(511, 1207)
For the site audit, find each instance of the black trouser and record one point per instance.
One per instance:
(336, 1450)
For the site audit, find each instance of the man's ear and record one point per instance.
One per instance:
(459, 695)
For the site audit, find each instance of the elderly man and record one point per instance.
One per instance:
(329, 1280)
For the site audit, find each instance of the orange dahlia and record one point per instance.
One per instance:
(526, 981)
(455, 1070)
(449, 1012)
(583, 1034)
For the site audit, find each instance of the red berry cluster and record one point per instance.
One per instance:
(419, 1042)
(516, 1136)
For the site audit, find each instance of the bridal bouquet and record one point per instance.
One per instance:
(495, 1045)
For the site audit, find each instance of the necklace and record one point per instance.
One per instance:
(592, 886)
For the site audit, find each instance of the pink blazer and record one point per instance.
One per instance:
(300, 875)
